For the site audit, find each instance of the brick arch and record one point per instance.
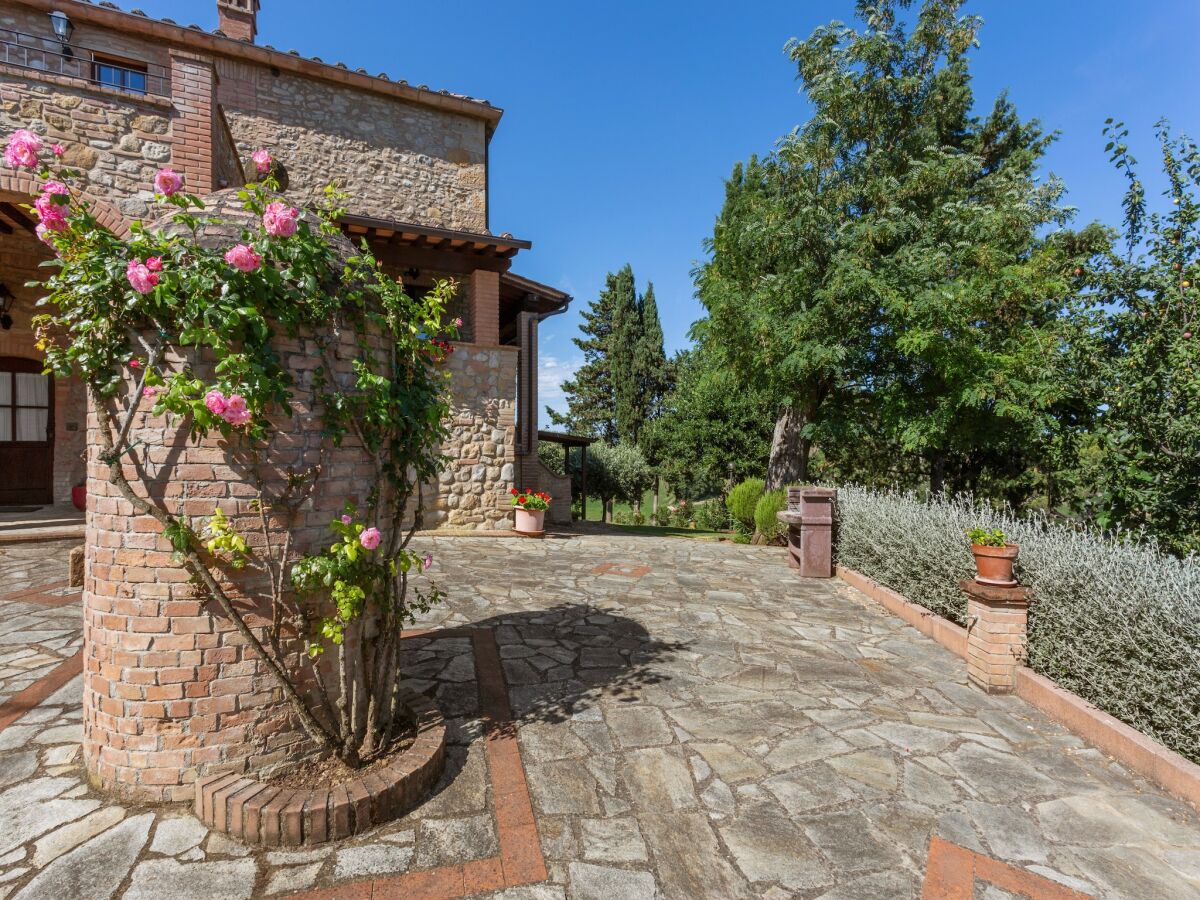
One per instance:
(106, 214)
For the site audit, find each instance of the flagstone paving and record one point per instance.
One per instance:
(712, 727)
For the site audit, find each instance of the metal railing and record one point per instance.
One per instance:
(27, 51)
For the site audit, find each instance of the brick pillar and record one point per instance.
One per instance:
(485, 307)
(810, 539)
(997, 619)
(238, 19)
(193, 93)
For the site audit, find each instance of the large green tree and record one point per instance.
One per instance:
(1147, 471)
(886, 260)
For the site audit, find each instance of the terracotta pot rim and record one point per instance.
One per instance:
(1008, 551)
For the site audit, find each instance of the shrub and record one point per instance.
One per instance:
(765, 521)
(711, 515)
(742, 500)
(1113, 618)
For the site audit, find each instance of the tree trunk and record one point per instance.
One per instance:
(789, 450)
(937, 473)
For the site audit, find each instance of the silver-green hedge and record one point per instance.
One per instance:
(1113, 619)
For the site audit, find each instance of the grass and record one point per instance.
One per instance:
(696, 534)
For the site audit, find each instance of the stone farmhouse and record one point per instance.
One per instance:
(126, 94)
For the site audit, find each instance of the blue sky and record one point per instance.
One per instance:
(622, 119)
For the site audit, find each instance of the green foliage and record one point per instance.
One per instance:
(223, 538)
(712, 515)
(713, 428)
(619, 472)
(743, 500)
(896, 266)
(625, 374)
(986, 537)
(1149, 429)
(1112, 618)
(769, 505)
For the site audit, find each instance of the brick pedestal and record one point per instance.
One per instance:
(997, 620)
(809, 519)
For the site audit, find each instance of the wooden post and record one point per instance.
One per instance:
(583, 484)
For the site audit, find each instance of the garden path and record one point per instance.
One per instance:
(694, 721)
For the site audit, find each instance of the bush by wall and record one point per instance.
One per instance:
(1112, 619)
(743, 499)
(765, 522)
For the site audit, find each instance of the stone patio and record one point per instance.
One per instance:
(694, 721)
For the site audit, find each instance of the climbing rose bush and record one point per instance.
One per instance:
(117, 310)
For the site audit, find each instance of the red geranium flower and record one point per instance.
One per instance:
(520, 499)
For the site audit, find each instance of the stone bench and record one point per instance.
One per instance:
(809, 518)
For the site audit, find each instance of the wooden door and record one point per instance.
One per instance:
(26, 433)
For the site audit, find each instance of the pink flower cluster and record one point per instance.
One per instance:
(280, 220)
(232, 409)
(168, 182)
(370, 538)
(144, 277)
(243, 258)
(262, 161)
(22, 150)
(52, 213)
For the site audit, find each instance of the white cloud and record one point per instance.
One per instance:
(552, 372)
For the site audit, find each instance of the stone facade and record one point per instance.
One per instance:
(473, 491)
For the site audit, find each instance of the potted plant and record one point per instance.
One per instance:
(994, 556)
(530, 509)
(79, 495)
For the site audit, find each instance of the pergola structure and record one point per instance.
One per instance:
(567, 441)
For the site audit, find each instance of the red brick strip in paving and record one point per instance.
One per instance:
(39, 596)
(953, 870)
(20, 703)
(520, 861)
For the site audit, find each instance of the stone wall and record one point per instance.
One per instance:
(473, 491)
(397, 160)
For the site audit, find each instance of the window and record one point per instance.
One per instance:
(123, 74)
(24, 407)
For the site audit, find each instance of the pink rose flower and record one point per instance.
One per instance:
(44, 235)
(22, 150)
(281, 220)
(149, 391)
(346, 520)
(141, 276)
(458, 322)
(243, 258)
(370, 538)
(215, 401)
(58, 150)
(262, 161)
(428, 561)
(168, 182)
(51, 213)
(56, 187)
(135, 364)
(236, 413)
(154, 264)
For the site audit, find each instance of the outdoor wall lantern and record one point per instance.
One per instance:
(6, 304)
(62, 27)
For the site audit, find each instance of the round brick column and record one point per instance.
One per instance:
(172, 691)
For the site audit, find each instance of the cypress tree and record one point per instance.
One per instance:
(651, 358)
(622, 357)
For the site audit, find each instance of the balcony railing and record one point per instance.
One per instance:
(27, 51)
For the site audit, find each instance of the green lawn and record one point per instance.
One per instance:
(695, 534)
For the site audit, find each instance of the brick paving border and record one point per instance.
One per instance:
(20, 703)
(1127, 745)
(35, 595)
(953, 870)
(520, 861)
(625, 570)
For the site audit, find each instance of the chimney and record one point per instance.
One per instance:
(238, 19)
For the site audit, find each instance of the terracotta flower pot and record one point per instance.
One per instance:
(530, 521)
(994, 565)
(79, 497)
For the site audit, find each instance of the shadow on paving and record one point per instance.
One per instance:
(561, 661)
